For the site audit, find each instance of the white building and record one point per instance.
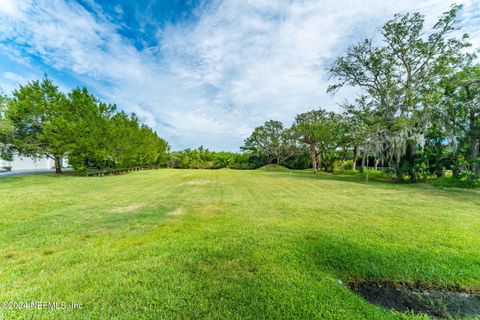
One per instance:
(26, 163)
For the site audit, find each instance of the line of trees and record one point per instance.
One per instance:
(40, 121)
(417, 112)
(202, 158)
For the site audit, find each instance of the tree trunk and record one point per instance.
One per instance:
(313, 154)
(473, 142)
(411, 152)
(364, 161)
(58, 166)
(355, 157)
(477, 151)
(438, 170)
(319, 162)
(473, 136)
(375, 160)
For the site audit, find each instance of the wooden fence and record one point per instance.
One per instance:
(360, 168)
(121, 171)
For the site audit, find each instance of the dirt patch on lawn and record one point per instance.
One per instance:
(434, 301)
(177, 212)
(197, 182)
(48, 252)
(9, 255)
(129, 208)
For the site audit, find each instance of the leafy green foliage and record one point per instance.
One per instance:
(40, 121)
(202, 158)
(323, 133)
(411, 99)
(5, 129)
(463, 180)
(92, 146)
(417, 116)
(272, 142)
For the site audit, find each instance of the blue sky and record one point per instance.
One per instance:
(198, 72)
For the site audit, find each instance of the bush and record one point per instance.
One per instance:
(372, 174)
(81, 170)
(202, 158)
(351, 172)
(300, 161)
(244, 166)
(343, 166)
(464, 180)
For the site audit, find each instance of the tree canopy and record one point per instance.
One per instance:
(40, 121)
(272, 142)
(417, 114)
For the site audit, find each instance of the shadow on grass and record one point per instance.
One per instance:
(353, 261)
(372, 181)
(424, 281)
(304, 174)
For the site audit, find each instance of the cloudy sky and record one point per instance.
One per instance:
(198, 72)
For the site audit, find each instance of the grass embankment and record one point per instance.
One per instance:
(227, 244)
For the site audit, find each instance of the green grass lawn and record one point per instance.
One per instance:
(225, 244)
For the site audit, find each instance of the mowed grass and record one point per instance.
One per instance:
(225, 244)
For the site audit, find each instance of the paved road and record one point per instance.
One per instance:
(33, 171)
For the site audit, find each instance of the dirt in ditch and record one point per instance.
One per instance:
(434, 301)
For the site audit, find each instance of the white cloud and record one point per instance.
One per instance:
(118, 10)
(12, 7)
(11, 80)
(242, 62)
(267, 59)
(19, 79)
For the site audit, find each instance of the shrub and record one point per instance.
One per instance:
(343, 166)
(464, 180)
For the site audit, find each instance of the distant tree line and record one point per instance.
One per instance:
(202, 158)
(417, 113)
(40, 121)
